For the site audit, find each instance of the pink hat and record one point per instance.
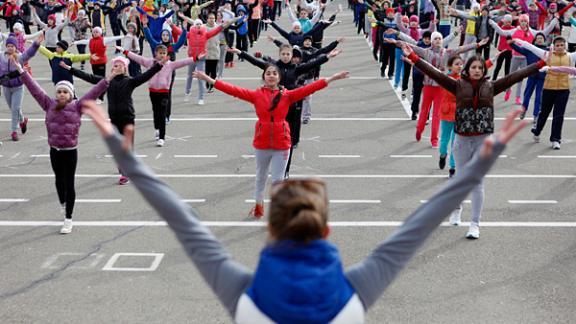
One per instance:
(414, 18)
(122, 60)
(552, 6)
(524, 17)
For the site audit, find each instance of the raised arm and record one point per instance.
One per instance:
(446, 41)
(291, 16)
(280, 30)
(317, 15)
(29, 53)
(406, 38)
(144, 77)
(499, 30)
(507, 81)
(542, 54)
(33, 35)
(307, 66)
(146, 62)
(238, 92)
(36, 91)
(227, 278)
(46, 52)
(39, 22)
(549, 28)
(252, 60)
(400, 25)
(94, 92)
(433, 73)
(90, 78)
(181, 40)
(112, 39)
(563, 69)
(148, 35)
(302, 92)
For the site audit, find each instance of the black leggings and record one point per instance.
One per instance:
(484, 49)
(506, 57)
(230, 42)
(253, 30)
(211, 70)
(406, 77)
(242, 42)
(121, 124)
(294, 119)
(64, 167)
(99, 69)
(160, 102)
(361, 23)
(169, 107)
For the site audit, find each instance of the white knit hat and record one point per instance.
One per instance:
(296, 23)
(66, 85)
(18, 26)
(97, 30)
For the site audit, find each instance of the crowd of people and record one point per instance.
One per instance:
(443, 47)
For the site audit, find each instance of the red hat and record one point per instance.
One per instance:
(52, 17)
(553, 6)
(389, 11)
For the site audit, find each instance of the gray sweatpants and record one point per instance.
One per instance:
(221, 62)
(465, 147)
(307, 103)
(518, 62)
(273, 160)
(14, 98)
(196, 66)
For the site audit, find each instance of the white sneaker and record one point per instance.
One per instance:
(67, 227)
(536, 139)
(473, 231)
(160, 142)
(187, 97)
(200, 102)
(99, 102)
(555, 145)
(456, 217)
(156, 135)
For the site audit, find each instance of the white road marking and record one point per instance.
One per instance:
(532, 201)
(248, 156)
(8, 200)
(50, 262)
(557, 156)
(263, 224)
(196, 156)
(39, 155)
(194, 200)
(109, 266)
(336, 156)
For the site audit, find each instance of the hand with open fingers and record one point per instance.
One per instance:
(94, 57)
(119, 48)
(407, 50)
(200, 75)
(334, 53)
(234, 50)
(64, 65)
(17, 64)
(507, 131)
(390, 40)
(94, 111)
(338, 76)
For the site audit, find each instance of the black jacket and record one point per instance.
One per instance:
(119, 93)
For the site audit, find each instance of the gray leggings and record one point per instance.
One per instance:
(196, 66)
(14, 98)
(518, 62)
(223, 49)
(464, 149)
(273, 160)
(307, 103)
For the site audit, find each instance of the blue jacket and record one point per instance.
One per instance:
(241, 25)
(155, 24)
(172, 47)
(310, 278)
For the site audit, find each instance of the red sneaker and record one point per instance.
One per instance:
(507, 94)
(123, 180)
(257, 211)
(518, 101)
(14, 136)
(23, 125)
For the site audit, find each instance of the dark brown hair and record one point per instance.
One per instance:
(475, 58)
(299, 210)
(277, 97)
(453, 58)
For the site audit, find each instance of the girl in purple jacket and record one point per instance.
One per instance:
(63, 125)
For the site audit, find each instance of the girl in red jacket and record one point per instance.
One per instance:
(272, 134)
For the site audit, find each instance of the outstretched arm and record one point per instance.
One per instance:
(444, 80)
(499, 30)
(280, 30)
(542, 54)
(251, 59)
(227, 278)
(373, 275)
(506, 82)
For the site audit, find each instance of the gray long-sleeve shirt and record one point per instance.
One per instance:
(229, 280)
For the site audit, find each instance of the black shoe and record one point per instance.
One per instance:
(451, 172)
(442, 162)
(523, 114)
(414, 116)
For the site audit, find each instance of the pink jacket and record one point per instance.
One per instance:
(160, 82)
(197, 39)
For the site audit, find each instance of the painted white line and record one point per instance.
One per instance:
(333, 201)
(532, 201)
(137, 155)
(465, 201)
(153, 266)
(248, 156)
(194, 200)
(263, 224)
(404, 103)
(338, 156)
(39, 155)
(327, 176)
(225, 119)
(98, 200)
(557, 156)
(196, 156)
(416, 156)
(8, 200)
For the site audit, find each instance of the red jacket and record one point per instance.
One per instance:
(272, 131)
(448, 110)
(197, 39)
(97, 47)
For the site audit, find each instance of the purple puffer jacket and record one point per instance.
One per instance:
(63, 126)
(6, 66)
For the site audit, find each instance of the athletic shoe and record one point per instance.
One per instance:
(473, 231)
(257, 211)
(232, 65)
(555, 145)
(435, 145)
(418, 136)
(451, 172)
(305, 121)
(160, 142)
(210, 90)
(536, 138)
(414, 116)
(442, 161)
(518, 101)
(403, 95)
(123, 180)
(24, 125)
(99, 102)
(167, 120)
(455, 217)
(523, 114)
(507, 95)
(200, 102)
(14, 136)
(187, 97)
(156, 135)
(67, 227)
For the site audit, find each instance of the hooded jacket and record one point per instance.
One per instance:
(197, 39)
(272, 131)
(63, 125)
(6, 66)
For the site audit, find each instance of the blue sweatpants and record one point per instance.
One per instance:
(399, 73)
(447, 138)
(531, 85)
